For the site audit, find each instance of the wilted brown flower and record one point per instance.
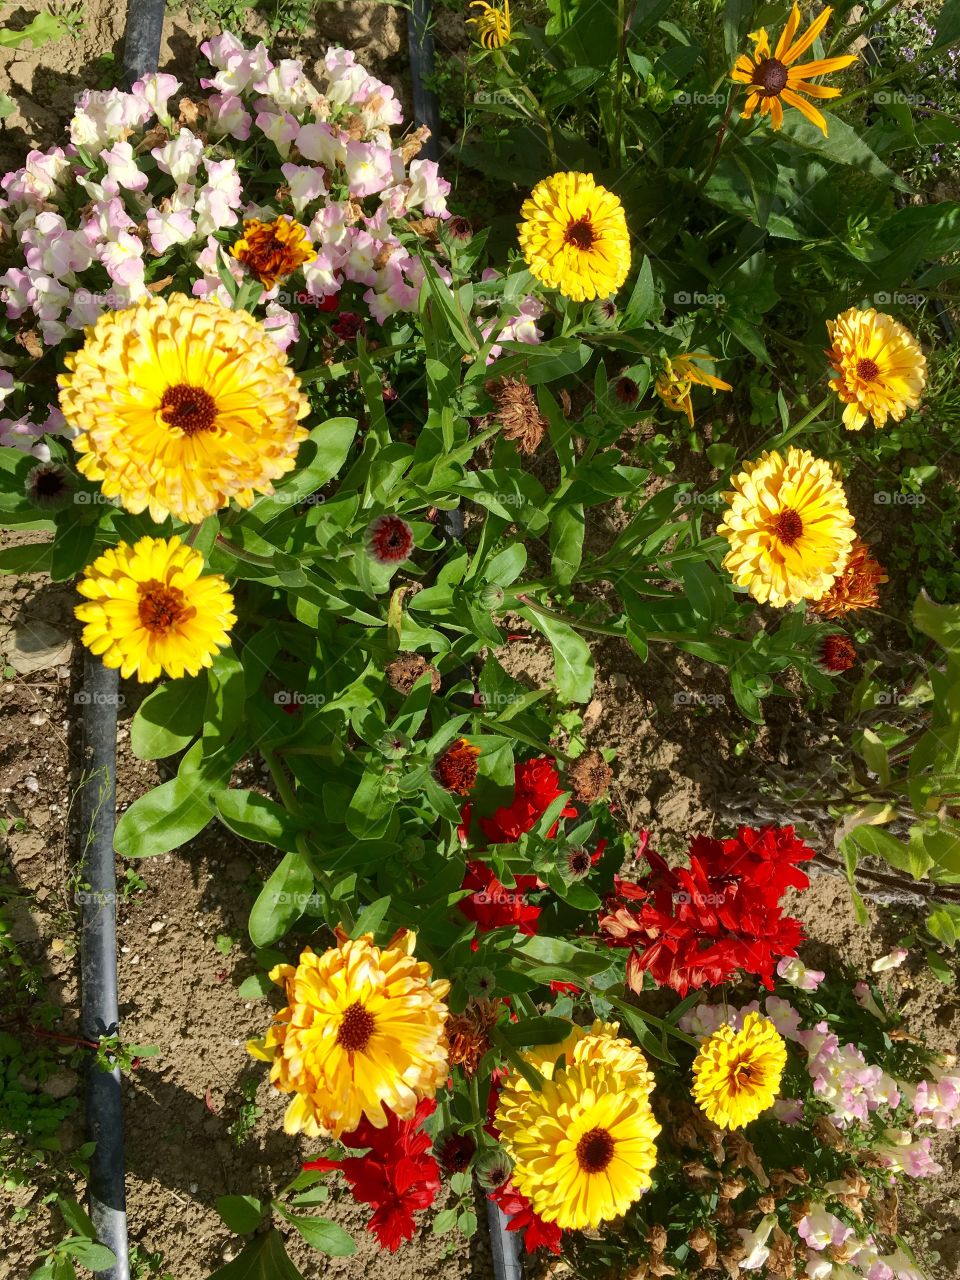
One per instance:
(730, 1188)
(657, 1239)
(700, 1240)
(459, 228)
(767, 1204)
(518, 414)
(414, 143)
(783, 1254)
(406, 669)
(885, 1213)
(856, 587)
(469, 1033)
(589, 777)
(827, 1132)
(457, 767)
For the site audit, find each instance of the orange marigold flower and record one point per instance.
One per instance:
(273, 250)
(856, 587)
(468, 1033)
(457, 767)
(837, 653)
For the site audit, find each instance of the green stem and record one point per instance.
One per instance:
(618, 101)
(280, 780)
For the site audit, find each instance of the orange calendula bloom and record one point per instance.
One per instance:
(457, 767)
(273, 250)
(856, 587)
(879, 369)
(772, 79)
(678, 378)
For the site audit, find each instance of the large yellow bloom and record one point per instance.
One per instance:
(149, 609)
(363, 1029)
(583, 1146)
(880, 370)
(574, 236)
(737, 1073)
(492, 25)
(181, 405)
(773, 80)
(679, 376)
(273, 250)
(788, 527)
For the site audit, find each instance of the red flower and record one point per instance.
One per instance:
(564, 988)
(389, 539)
(536, 786)
(697, 926)
(456, 1151)
(348, 326)
(456, 769)
(537, 1234)
(493, 906)
(398, 1175)
(837, 653)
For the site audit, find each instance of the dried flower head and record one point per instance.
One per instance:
(589, 777)
(516, 408)
(469, 1033)
(406, 669)
(456, 769)
(854, 588)
(837, 653)
(459, 228)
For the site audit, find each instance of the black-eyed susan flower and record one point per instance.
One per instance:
(679, 375)
(362, 1035)
(879, 370)
(737, 1074)
(492, 24)
(150, 608)
(856, 587)
(271, 251)
(181, 404)
(574, 236)
(773, 80)
(584, 1145)
(789, 528)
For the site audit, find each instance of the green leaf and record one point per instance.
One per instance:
(255, 817)
(73, 545)
(264, 1258)
(34, 557)
(642, 298)
(324, 1235)
(77, 1219)
(168, 719)
(242, 1214)
(566, 542)
(319, 461)
(164, 819)
(444, 1221)
(948, 24)
(255, 987)
(904, 857)
(572, 659)
(281, 901)
(535, 1031)
(90, 1254)
(842, 145)
(371, 917)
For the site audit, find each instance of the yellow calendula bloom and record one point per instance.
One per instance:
(491, 25)
(737, 1074)
(363, 1030)
(679, 376)
(273, 250)
(574, 237)
(789, 528)
(181, 404)
(583, 1146)
(774, 81)
(150, 609)
(879, 370)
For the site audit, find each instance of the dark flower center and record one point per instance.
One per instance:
(867, 370)
(190, 408)
(579, 862)
(161, 607)
(580, 234)
(595, 1151)
(789, 527)
(355, 1029)
(771, 77)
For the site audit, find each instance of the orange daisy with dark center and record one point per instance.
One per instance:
(770, 77)
(356, 1028)
(867, 370)
(837, 653)
(190, 408)
(789, 527)
(161, 607)
(580, 234)
(457, 767)
(271, 251)
(595, 1151)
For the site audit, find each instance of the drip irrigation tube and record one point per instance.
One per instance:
(504, 1245)
(421, 51)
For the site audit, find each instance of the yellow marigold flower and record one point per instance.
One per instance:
(182, 404)
(679, 376)
(273, 250)
(773, 80)
(363, 1030)
(583, 1146)
(788, 527)
(737, 1074)
(856, 587)
(150, 609)
(492, 25)
(574, 236)
(880, 370)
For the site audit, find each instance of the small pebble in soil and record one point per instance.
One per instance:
(31, 783)
(157, 926)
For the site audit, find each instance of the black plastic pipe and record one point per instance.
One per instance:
(421, 48)
(141, 39)
(99, 1011)
(504, 1245)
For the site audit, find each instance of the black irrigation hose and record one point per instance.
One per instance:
(99, 1011)
(504, 1245)
(421, 49)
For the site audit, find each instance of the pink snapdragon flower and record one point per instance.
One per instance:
(937, 1101)
(104, 116)
(792, 970)
(40, 179)
(176, 226)
(306, 182)
(864, 998)
(369, 168)
(180, 157)
(122, 169)
(428, 189)
(286, 88)
(322, 143)
(820, 1229)
(283, 326)
(219, 201)
(229, 115)
(122, 259)
(903, 1153)
(156, 89)
(237, 67)
(788, 1110)
(280, 128)
(892, 960)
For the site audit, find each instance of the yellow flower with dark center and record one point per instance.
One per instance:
(181, 404)
(492, 25)
(737, 1073)
(880, 371)
(583, 1146)
(150, 609)
(788, 526)
(856, 587)
(773, 80)
(679, 376)
(273, 250)
(363, 1030)
(574, 236)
